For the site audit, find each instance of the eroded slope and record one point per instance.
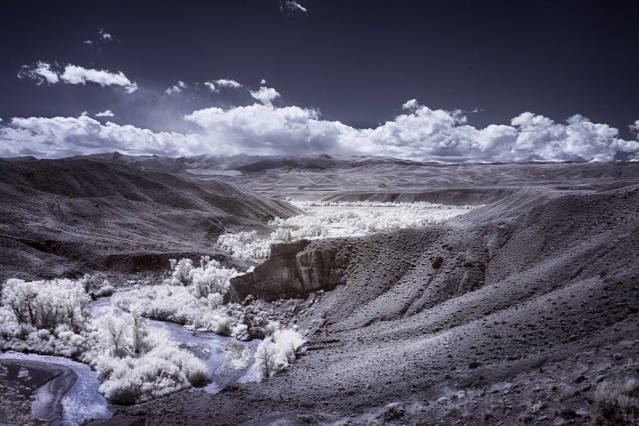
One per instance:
(71, 216)
(514, 313)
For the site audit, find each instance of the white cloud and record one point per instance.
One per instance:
(410, 105)
(231, 84)
(262, 82)
(263, 129)
(40, 72)
(64, 136)
(266, 95)
(177, 88)
(292, 7)
(104, 36)
(101, 38)
(107, 113)
(420, 133)
(74, 74)
(215, 85)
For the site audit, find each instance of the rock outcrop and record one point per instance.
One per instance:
(293, 270)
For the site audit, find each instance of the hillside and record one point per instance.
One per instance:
(513, 313)
(71, 216)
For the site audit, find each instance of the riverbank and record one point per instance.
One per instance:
(32, 390)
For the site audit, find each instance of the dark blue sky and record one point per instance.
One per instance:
(357, 61)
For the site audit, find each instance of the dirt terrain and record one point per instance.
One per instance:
(74, 216)
(513, 313)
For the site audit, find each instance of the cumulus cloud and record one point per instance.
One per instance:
(106, 113)
(420, 133)
(266, 95)
(264, 129)
(64, 136)
(41, 72)
(72, 74)
(410, 105)
(177, 88)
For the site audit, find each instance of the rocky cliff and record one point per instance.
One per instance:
(293, 270)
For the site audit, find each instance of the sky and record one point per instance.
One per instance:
(434, 80)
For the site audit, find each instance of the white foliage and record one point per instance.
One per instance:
(162, 302)
(45, 304)
(209, 278)
(277, 351)
(137, 362)
(193, 296)
(325, 219)
(44, 316)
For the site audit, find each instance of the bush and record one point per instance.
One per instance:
(193, 296)
(618, 403)
(277, 351)
(330, 218)
(137, 362)
(46, 304)
(44, 316)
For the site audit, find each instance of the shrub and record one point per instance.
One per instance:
(329, 218)
(44, 316)
(137, 362)
(276, 351)
(618, 403)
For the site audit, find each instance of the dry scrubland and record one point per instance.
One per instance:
(522, 311)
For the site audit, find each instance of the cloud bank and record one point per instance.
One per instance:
(420, 133)
(43, 72)
(65, 136)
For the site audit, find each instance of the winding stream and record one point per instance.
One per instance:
(71, 396)
(74, 390)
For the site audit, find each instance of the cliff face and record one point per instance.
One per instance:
(293, 270)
